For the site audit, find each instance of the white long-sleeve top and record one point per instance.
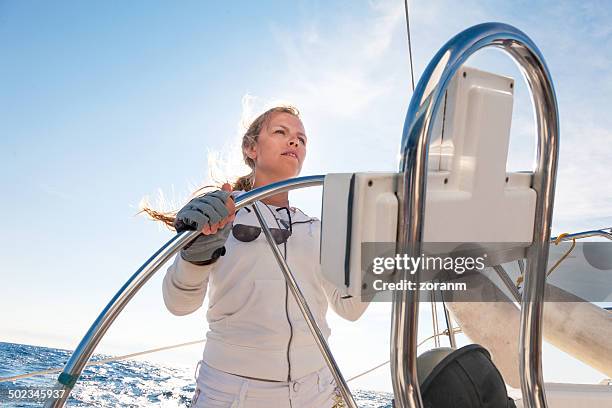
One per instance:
(255, 326)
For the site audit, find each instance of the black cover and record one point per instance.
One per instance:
(466, 378)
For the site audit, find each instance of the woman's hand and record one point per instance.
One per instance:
(207, 213)
(212, 214)
(231, 208)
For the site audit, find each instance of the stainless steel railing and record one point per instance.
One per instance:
(308, 316)
(424, 104)
(75, 365)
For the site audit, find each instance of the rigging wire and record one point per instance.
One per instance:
(100, 362)
(155, 350)
(406, 9)
(444, 333)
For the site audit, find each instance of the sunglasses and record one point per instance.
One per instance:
(248, 233)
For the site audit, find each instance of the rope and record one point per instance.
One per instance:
(557, 241)
(444, 333)
(367, 371)
(100, 362)
(434, 318)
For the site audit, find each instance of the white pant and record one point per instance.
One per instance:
(217, 388)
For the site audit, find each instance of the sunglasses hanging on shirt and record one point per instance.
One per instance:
(248, 233)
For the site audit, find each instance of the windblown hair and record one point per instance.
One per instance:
(244, 183)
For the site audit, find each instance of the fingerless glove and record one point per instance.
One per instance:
(207, 209)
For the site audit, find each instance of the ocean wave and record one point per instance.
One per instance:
(127, 383)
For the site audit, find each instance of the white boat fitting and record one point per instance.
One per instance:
(451, 187)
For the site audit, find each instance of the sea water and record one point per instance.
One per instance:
(127, 383)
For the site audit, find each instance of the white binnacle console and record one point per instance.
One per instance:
(470, 195)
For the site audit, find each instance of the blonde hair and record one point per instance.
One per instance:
(243, 183)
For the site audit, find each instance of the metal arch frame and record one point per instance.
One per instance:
(75, 365)
(424, 104)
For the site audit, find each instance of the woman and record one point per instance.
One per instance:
(259, 350)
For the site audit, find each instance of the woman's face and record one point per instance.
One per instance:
(281, 147)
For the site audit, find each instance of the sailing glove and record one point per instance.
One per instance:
(207, 209)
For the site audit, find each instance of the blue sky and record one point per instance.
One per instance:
(103, 103)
